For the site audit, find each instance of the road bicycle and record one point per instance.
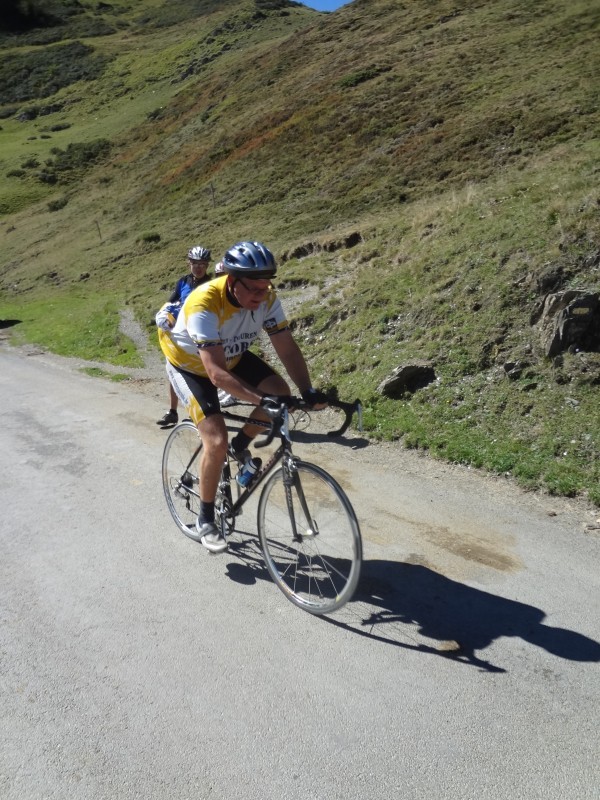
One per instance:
(307, 529)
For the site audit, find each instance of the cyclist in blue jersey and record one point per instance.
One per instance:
(198, 260)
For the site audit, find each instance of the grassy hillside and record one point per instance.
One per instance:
(426, 172)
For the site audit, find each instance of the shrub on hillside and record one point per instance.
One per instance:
(150, 237)
(361, 76)
(25, 76)
(40, 22)
(67, 165)
(56, 205)
(19, 16)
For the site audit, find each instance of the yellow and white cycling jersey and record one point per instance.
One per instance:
(208, 317)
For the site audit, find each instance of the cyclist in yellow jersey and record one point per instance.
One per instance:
(208, 349)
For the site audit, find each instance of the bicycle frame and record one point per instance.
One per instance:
(283, 452)
(228, 510)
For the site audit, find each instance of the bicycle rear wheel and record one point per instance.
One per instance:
(310, 538)
(180, 468)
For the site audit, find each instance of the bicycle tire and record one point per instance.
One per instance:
(320, 572)
(180, 469)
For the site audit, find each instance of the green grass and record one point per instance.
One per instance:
(97, 372)
(71, 323)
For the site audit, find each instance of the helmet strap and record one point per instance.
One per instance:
(231, 282)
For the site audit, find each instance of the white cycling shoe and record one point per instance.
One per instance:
(211, 537)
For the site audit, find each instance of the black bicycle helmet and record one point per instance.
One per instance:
(250, 260)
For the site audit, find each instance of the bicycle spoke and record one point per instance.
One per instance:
(180, 476)
(319, 572)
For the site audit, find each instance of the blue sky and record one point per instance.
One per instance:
(324, 5)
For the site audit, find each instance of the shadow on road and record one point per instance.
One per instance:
(298, 431)
(394, 595)
(412, 607)
(307, 437)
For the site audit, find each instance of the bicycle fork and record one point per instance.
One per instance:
(291, 480)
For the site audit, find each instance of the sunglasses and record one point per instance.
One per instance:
(255, 291)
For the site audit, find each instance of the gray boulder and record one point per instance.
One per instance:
(406, 379)
(569, 320)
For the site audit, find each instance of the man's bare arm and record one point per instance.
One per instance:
(292, 359)
(215, 365)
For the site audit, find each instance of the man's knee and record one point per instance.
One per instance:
(274, 384)
(214, 434)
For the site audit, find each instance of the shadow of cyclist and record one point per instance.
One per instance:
(394, 598)
(412, 607)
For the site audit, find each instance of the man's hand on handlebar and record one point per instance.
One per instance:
(315, 399)
(311, 398)
(273, 402)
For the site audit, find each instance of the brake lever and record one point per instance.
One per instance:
(268, 438)
(349, 409)
(276, 423)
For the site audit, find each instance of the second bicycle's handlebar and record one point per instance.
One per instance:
(293, 403)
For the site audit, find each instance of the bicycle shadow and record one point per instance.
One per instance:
(463, 620)
(310, 437)
(307, 437)
(415, 608)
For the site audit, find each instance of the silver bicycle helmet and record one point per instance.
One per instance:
(199, 253)
(250, 260)
(219, 268)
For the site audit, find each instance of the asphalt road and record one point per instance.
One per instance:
(135, 665)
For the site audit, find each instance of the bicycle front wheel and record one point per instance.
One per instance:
(180, 469)
(310, 537)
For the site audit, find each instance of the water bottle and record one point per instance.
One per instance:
(247, 471)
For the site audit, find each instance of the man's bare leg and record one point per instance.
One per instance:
(173, 399)
(213, 433)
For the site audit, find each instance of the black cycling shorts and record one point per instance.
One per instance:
(200, 396)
